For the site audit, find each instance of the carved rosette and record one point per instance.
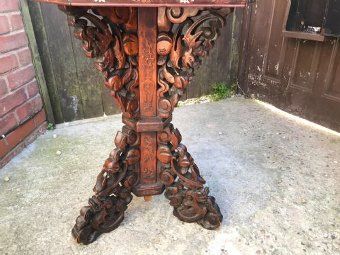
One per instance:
(185, 37)
(109, 37)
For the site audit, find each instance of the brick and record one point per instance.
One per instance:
(12, 100)
(32, 88)
(4, 148)
(20, 77)
(8, 62)
(11, 154)
(22, 133)
(40, 118)
(24, 111)
(16, 22)
(29, 108)
(24, 56)
(3, 87)
(13, 41)
(15, 137)
(37, 103)
(9, 5)
(29, 139)
(8, 122)
(4, 25)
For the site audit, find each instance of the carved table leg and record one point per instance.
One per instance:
(185, 36)
(112, 190)
(110, 38)
(184, 184)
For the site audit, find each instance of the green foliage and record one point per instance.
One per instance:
(50, 126)
(221, 91)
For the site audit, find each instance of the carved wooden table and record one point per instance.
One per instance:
(147, 51)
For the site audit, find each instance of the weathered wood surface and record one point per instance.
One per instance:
(74, 98)
(300, 76)
(36, 60)
(221, 66)
(71, 98)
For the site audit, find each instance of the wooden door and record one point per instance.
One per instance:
(300, 76)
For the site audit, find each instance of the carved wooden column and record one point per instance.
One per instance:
(148, 57)
(149, 182)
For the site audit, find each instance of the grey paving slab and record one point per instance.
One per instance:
(275, 179)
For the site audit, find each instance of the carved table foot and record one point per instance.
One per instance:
(184, 184)
(185, 37)
(112, 190)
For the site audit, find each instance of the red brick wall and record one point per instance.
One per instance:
(22, 116)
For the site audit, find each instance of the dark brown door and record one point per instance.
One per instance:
(300, 76)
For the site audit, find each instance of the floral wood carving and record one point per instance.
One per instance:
(184, 184)
(109, 37)
(112, 190)
(185, 37)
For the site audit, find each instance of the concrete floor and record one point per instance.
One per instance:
(275, 179)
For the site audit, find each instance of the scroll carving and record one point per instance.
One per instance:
(109, 37)
(112, 190)
(185, 37)
(184, 184)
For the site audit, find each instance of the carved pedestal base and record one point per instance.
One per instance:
(179, 174)
(147, 56)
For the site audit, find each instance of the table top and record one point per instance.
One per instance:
(151, 3)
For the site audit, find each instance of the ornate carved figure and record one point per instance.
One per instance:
(184, 38)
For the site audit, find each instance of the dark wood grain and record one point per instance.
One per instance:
(151, 3)
(147, 68)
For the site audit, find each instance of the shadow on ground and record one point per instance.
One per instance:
(274, 179)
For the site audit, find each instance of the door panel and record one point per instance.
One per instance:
(300, 76)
